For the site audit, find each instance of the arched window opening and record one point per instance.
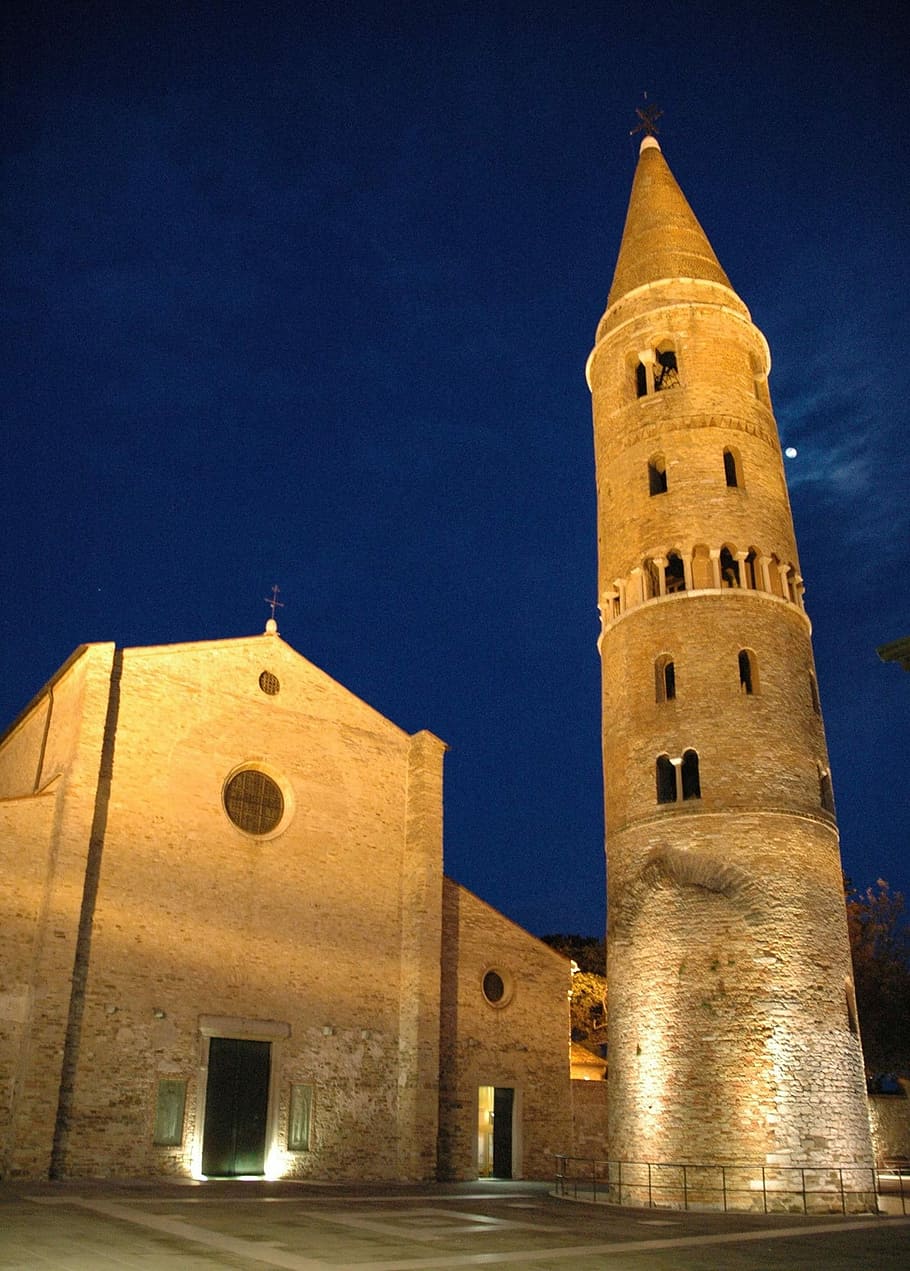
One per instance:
(657, 475)
(641, 380)
(752, 570)
(664, 679)
(666, 371)
(748, 676)
(652, 579)
(691, 787)
(729, 568)
(813, 693)
(825, 790)
(675, 573)
(656, 371)
(702, 575)
(666, 780)
(777, 588)
(732, 468)
(670, 681)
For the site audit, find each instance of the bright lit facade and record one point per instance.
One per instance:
(227, 946)
(732, 1026)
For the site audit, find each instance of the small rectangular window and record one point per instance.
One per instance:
(657, 475)
(300, 1118)
(169, 1109)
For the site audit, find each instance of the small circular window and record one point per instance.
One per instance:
(253, 801)
(493, 988)
(497, 987)
(269, 683)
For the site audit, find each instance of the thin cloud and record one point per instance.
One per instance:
(848, 453)
(844, 467)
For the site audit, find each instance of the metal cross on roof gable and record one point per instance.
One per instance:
(274, 602)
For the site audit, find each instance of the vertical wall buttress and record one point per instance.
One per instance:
(86, 918)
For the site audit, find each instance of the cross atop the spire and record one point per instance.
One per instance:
(648, 115)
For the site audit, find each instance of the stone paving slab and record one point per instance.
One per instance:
(251, 1227)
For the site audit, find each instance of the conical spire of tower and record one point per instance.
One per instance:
(662, 237)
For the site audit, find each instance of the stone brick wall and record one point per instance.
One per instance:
(889, 1116)
(737, 1044)
(49, 763)
(589, 1119)
(715, 406)
(757, 751)
(523, 1044)
(22, 934)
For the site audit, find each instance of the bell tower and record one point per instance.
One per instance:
(733, 1035)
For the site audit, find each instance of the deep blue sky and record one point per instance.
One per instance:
(302, 293)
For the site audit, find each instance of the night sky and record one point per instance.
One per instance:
(302, 294)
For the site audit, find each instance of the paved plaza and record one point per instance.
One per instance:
(249, 1226)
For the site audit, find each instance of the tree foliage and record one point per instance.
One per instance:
(880, 943)
(589, 1009)
(587, 952)
(589, 987)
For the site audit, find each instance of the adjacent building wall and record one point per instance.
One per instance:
(589, 1119)
(521, 1042)
(49, 767)
(889, 1116)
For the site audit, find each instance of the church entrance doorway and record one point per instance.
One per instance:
(495, 1108)
(236, 1107)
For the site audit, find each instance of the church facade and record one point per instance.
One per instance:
(228, 947)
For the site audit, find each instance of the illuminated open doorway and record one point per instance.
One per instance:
(495, 1107)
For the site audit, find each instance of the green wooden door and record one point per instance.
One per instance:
(236, 1106)
(503, 1102)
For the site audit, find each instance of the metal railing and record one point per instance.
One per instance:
(806, 1189)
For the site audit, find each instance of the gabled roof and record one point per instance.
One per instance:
(269, 645)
